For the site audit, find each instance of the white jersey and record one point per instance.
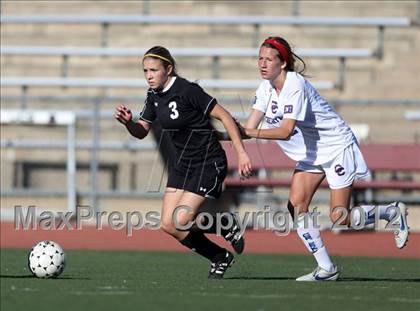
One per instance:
(320, 133)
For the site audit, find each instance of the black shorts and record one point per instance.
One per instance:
(204, 179)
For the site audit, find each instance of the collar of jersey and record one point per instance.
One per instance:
(273, 89)
(171, 82)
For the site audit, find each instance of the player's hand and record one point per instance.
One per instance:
(244, 165)
(123, 114)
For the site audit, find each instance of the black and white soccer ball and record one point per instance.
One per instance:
(46, 259)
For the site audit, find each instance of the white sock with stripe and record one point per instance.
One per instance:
(311, 237)
(386, 212)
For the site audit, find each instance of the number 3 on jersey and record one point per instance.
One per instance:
(175, 114)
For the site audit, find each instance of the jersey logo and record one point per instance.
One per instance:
(274, 106)
(175, 114)
(273, 120)
(339, 170)
(288, 109)
(156, 104)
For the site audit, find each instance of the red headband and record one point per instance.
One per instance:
(280, 48)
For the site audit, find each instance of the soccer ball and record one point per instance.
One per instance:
(46, 259)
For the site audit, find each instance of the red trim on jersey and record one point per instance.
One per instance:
(280, 48)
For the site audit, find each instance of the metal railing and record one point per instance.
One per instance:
(97, 82)
(256, 21)
(26, 82)
(216, 54)
(56, 118)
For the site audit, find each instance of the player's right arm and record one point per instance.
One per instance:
(252, 122)
(254, 119)
(138, 129)
(259, 107)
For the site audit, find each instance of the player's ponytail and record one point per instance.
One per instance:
(285, 53)
(161, 53)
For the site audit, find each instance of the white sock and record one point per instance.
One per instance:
(386, 212)
(366, 212)
(323, 259)
(311, 237)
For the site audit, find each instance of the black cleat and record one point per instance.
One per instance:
(234, 236)
(219, 267)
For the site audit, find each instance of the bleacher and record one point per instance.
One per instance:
(215, 54)
(388, 160)
(82, 61)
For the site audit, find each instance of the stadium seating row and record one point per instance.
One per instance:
(256, 21)
(268, 159)
(131, 83)
(215, 53)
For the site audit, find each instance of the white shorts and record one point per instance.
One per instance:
(343, 170)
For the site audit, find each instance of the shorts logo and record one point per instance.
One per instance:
(288, 109)
(203, 189)
(274, 106)
(339, 170)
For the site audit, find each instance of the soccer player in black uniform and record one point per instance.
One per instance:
(184, 110)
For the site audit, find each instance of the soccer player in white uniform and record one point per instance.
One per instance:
(311, 133)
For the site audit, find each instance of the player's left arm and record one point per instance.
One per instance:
(244, 164)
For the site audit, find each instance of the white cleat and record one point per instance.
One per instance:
(401, 233)
(320, 274)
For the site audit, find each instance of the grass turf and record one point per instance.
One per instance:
(111, 280)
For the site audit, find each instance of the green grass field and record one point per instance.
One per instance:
(178, 281)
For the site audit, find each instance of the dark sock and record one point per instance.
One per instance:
(291, 209)
(224, 220)
(199, 243)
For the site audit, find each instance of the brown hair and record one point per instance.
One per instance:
(284, 47)
(161, 53)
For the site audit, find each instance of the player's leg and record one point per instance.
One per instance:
(364, 215)
(395, 213)
(225, 224)
(179, 210)
(402, 230)
(304, 185)
(178, 214)
(341, 173)
(221, 259)
(340, 206)
(170, 201)
(209, 183)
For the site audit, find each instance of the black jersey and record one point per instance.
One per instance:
(182, 109)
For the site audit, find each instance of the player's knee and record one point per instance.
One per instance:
(173, 227)
(297, 207)
(183, 222)
(168, 227)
